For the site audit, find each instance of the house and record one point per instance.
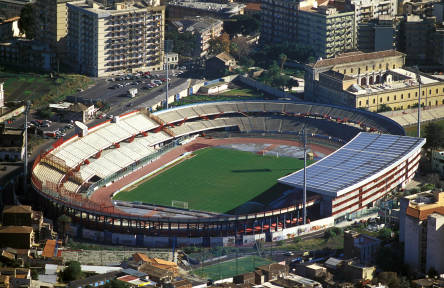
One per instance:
(141, 258)
(12, 146)
(353, 270)
(19, 237)
(94, 281)
(181, 284)
(15, 277)
(273, 271)
(217, 65)
(360, 246)
(311, 270)
(77, 112)
(17, 215)
(156, 274)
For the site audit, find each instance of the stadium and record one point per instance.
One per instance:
(366, 156)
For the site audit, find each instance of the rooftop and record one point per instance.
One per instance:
(16, 230)
(355, 57)
(210, 6)
(197, 24)
(423, 204)
(363, 159)
(19, 209)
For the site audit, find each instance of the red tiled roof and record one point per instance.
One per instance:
(49, 249)
(252, 6)
(127, 278)
(356, 57)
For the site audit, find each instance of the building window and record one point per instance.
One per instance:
(395, 98)
(366, 102)
(374, 100)
(359, 103)
(380, 99)
(380, 65)
(408, 95)
(345, 71)
(416, 94)
(430, 91)
(422, 92)
(386, 66)
(388, 98)
(394, 66)
(351, 70)
(359, 71)
(402, 96)
(373, 66)
(436, 91)
(366, 68)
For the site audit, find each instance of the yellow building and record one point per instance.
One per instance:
(372, 81)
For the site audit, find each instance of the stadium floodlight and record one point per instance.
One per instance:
(25, 164)
(304, 196)
(418, 78)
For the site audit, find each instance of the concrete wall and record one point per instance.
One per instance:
(293, 232)
(435, 243)
(412, 243)
(265, 88)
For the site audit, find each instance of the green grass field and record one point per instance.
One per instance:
(228, 269)
(217, 180)
(412, 130)
(40, 88)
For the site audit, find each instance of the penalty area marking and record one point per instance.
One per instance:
(133, 185)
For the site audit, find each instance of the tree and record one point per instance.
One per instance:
(63, 222)
(384, 108)
(283, 59)
(183, 43)
(239, 47)
(72, 272)
(434, 134)
(26, 22)
(385, 234)
(242, 24)
(220, 44)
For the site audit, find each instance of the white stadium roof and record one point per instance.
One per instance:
(361, 160)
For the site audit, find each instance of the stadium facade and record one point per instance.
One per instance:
(75, 174)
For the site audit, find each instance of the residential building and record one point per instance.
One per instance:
(9, 28)
(17, 215)
(11, 144)
(26, 54)
(172, 59)
(325, 27)
(370, 81)
(360, 246)
(417, 7)
(2, 96)
(156, 274)
(125, 38)
(16, 277)
(417, 39)
(438, 162)
(52, 24)
(378, 34)
(178, 9)
(94, 281)
(18, 237)
(421, 230)
(217, 65)
(12, 8)
(355, 271)
(204, 29)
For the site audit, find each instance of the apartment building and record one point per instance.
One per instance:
(438, 162)
(370, 81)
(378, 34)
(327, 27)
(12, 8)
(421, 225)
(204, 28)
(125, 38)
(51, 18)
(179, 9)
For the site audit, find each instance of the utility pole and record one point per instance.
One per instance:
(304, 196)
(418, 78)
(25, 164)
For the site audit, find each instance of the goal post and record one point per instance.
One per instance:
(179, 204)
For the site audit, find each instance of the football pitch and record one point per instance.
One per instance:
(230, 268)
(216, 180)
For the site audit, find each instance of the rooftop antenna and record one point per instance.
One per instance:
(304, 195)
(418, 78)
(25, 164)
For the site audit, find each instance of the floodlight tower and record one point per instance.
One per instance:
(304, 195)
(418, 79)
(25, 164)
(168, 46)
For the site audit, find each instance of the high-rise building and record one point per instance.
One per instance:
(327, 27)
(421, 229)
(378, 34)
(127, 37)
(51, 18)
